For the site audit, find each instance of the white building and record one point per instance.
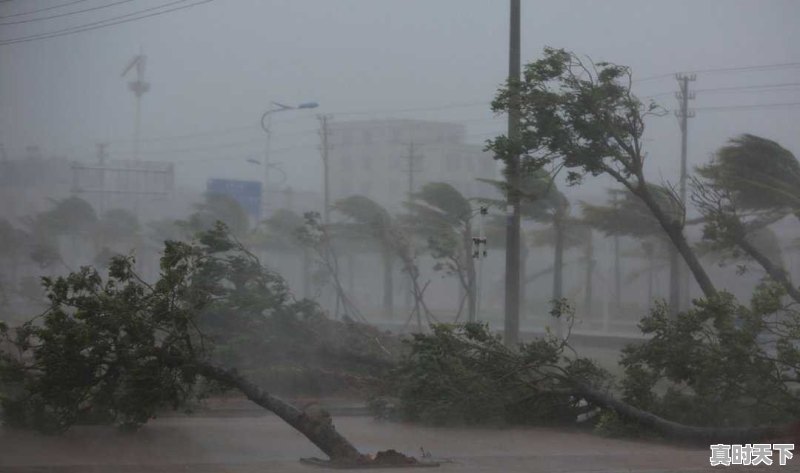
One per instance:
(373, 158)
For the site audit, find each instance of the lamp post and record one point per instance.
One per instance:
(266, 125)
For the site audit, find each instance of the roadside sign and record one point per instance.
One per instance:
(246, 193)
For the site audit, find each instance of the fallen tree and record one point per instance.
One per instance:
(119, 349)
(465, 374)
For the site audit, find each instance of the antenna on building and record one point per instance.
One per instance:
(138, 87)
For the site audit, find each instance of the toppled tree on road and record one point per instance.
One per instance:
(120, 350)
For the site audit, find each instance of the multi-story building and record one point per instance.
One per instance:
(381, 159)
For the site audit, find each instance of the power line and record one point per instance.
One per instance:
(753, 88)
(103, 23)
(60, 15)
(765, 106)
(30, 12)
(421, 109)
(786, 65)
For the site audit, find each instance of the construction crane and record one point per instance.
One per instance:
(138, 87)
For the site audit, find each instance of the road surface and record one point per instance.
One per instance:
(210, 443)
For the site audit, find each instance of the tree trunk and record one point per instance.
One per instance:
(651, 261)
(388, 282)
(558, 267)
(306, 274)
(587, 300)
(351, 273)
(674, 282)
(617, 276)
(777, 273)
(523, 271)
(316, 426)
(675, 430)
(675, 234)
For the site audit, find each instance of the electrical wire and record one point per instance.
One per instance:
(61, 15)
(44, 9)
(786, 65)
(104, 23)
(753, 88)
(764, 106)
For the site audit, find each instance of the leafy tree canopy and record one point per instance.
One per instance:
(761, 174)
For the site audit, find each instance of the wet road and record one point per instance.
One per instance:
(240, 444)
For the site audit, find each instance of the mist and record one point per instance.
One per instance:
(350, 154)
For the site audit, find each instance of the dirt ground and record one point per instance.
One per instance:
(247, 444)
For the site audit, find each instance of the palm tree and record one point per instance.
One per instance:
(369, 219)
(541, 202)
(761, 174)
(565, 232)
(73, 218)
(629, 216)
(749, 184)
(443, 216)
(279, 233)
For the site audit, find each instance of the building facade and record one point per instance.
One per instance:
(384, 159)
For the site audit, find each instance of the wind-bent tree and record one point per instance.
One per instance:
(541, 202)
(320, 238)
(443, 216)
(629, 216)
(370, 219)
(760, 174)
(566, 232)
(116, 231)
(72, 218)
(279, 233)
(749, 184)
(13, 245)
(584, 117)
(120, 350)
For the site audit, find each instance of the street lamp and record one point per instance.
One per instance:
(266, 125)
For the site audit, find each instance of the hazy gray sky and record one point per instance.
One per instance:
(215, 67)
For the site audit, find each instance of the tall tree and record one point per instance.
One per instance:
(370, 219)
(629, 216)
(121, 349)
(760, 174)
(540, 201)
(443, 216)
(584, 117)
(749, 184)
(279, 233)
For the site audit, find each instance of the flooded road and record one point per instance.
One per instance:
(249, 444)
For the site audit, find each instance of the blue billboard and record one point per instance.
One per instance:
(246, 193)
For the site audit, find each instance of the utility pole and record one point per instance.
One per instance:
(101, 162)
(138, 87)
(324, 148)
(683, 114)
(511, 326)
(412, 158)
(479, 245)
(617, 266)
